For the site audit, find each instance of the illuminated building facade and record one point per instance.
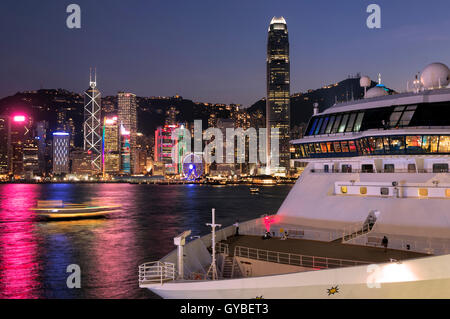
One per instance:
(81, 162)
(164, 146)
(61, 144)
(92, 125)
(20, 137)
(4, 144)
(278, 89)
(125, 153)
(127, 105)
(111, 146)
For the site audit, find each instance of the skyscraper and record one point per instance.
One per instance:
(61, 144)
(92, 125)
(21, 137)
(278, 89)
(127, 105)
(111, 146)
(5, 136)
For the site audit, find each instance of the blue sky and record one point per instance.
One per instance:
(214, 51)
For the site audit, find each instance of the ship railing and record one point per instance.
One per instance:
(222, 248)
(384, 171)
(307, 261)
(156, 272)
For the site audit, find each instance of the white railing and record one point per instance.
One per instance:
(294, 259)
(222, 248)
(156, 271)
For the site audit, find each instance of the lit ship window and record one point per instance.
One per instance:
(423, 192)
(447, 192)
(363, 190)
(344, 189)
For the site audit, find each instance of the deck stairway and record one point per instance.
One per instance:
(354, 231)
(230, 268)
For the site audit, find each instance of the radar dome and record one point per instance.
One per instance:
(375, 92)
(435, 75)
(365, 81)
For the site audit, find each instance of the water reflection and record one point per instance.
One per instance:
(34, 255)
(19, 267)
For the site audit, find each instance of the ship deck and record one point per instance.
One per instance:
(321, 249)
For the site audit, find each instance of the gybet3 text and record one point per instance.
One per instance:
(241, 308)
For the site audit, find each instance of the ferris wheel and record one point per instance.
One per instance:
(193, 166)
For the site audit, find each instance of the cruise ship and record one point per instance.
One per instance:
(368, 218)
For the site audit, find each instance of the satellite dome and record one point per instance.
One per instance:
(375, 92)
(365, 81)
(435, 75)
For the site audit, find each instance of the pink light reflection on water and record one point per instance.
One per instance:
(19, 269)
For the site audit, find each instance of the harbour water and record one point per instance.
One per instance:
(34, 254)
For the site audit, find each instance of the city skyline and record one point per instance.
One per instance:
(222, 62)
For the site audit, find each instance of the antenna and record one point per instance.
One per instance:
(379, 78)
(213, 269)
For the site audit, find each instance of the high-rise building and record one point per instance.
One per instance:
(111, 146)
(61, 144)
(21, 136)
(164, 144)
(81, 162)
(278, 91)
(127, 108)
(5, 135)
(92, 124)
(41, 136)
(125, 151)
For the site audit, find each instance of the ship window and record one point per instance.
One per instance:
(358, 122)
(395, 116)
(447, 192)
(344, 189)
(326, 168)
(372, 144)
(351, 146)
(318, 126)
(351, 121)
(317, 146)
(330, 147)
(407, 115)
(312, 149)
(389, 168)
(323, 147)
(384, 191)
(344, 146)
(313, 127)
(337, 147)
(363, 190)
(379, 146)
(397, 144)
(386, 144)
(336, 124)
(440, 168)
(367, 168)
(423, 192)
(330, 125)
(324, 125)
(414, 144)
(411, 168)
(444, 144)
(343, 123)
(430, 144)
(346, 168)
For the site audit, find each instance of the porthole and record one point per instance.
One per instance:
(423, 192)
(344, 189)
(363, 190)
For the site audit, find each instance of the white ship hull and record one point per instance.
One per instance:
(427, 277)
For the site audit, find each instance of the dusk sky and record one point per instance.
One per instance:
(213, 51)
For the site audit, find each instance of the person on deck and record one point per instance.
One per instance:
(384, 242)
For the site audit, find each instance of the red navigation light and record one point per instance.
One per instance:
(19, 118)
(89, 152)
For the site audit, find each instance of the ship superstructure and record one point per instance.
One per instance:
(368, 218)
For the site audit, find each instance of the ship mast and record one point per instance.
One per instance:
(213, 269)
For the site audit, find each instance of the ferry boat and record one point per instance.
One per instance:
(368, 218)
(57, 210)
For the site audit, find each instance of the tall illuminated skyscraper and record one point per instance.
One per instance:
(92, 125)
(61, 144)
(278, 91)
(5, 136)
(111, 146)
(127, 107)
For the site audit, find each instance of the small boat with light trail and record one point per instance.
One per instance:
(57, 210)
